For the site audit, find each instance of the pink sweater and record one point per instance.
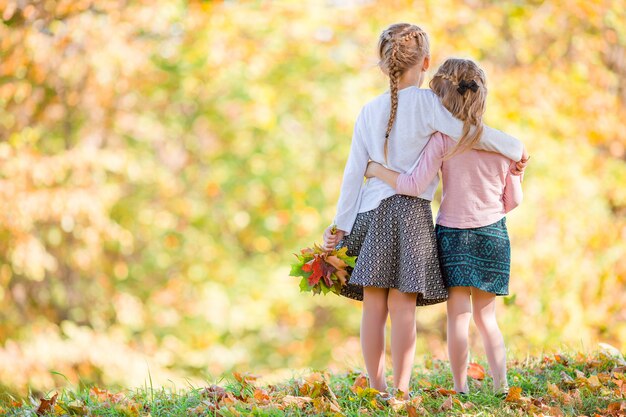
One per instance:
(478, 188)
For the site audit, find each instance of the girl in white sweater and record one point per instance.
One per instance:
(393, 235)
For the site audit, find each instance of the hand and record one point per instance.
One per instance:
(372, 167)
(331, 240)
(520, 166)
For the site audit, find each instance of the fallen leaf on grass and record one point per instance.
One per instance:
(615, 407)
(128, 409)
(245, 378)
(316, 385)
(376, 404)
(447, 404)
(559, 395)
(214, 392)
(261, 395)
(514, 395)
(561, 359)
(323, 405)
(396, 404)
(414, 408)
(299, 402)
(594, 381)
(47, 405)
(76, 407)
(367, 393)
(106, 396)
(476, 371)
(555, 411)
(229, 399)
(566, 379)
(444, 392)
(202, 408)
(359, 382)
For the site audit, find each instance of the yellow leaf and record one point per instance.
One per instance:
(594, 382)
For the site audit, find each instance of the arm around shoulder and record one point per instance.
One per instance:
(416, 182)
(513, 195)
(496, 141)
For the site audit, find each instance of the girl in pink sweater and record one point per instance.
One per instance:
(472, 239)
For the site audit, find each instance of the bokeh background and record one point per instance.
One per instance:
(161, 161)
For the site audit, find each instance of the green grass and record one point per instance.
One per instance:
(570, 385)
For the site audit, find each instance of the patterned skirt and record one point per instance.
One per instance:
(479, 257)
(396, 247)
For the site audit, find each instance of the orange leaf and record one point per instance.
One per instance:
(411, 410)
(336, 262)
(615, 407)
(341, 276)
(515, 394)
(359, 382)
(245, 378)
(261, 395)
(560, 359)
(476, 371)
(413, 405)
(444, 391)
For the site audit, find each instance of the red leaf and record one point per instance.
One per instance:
(327, 271)
(45, 406)
(317, 271)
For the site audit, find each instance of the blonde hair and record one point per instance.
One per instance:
(461, 86)
(400, 47)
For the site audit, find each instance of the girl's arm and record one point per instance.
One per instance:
(491, 140)
(353, 174)
(512, 196)
(421, 177)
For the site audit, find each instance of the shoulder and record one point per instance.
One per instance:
(376, 103)
(425, 94)
(443, 140)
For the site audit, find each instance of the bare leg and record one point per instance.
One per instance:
(484, 306)
(459, 314)
(402, 312)
(373, 324)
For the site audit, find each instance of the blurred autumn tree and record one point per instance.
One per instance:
(160, 162)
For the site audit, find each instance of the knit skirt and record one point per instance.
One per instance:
(478, 257)
(396, 247)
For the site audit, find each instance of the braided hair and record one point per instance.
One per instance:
(400, 47)
(460, 84)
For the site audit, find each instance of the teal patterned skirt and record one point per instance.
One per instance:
(478, 257)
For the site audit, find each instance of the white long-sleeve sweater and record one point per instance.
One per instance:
(420, 114)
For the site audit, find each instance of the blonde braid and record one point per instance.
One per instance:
(394, 79)
(397, 54)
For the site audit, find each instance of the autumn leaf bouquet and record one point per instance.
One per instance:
(322, 271)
